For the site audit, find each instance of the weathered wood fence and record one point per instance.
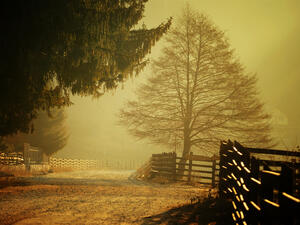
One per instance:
(13, 158)
(194, 168)
(261, 191)
(29, 156)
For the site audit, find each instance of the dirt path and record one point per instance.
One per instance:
(89, 197)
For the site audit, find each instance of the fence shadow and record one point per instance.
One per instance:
(209, 211)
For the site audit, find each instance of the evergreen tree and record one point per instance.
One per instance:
(81, 47)
(50, 133)
(3, 146)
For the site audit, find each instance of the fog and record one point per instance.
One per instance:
(266, 37)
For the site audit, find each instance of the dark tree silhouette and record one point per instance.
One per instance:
(198, 94)
(50, 133)
(3, 146)
(81, 47)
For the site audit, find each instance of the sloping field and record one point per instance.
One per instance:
(89, 197)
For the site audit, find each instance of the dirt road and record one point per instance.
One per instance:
(90, 197)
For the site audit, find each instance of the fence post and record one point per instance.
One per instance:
(255, 188)
(288, 209)
(213, 177)
(224, 146)
(174, 166)
(190, 166)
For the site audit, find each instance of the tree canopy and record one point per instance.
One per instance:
(51, 49)
(3, 146)
(50, 133)
(198, 94)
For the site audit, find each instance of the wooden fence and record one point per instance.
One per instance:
(29, 156)
(261, 191)
(195, 168)
(12, 159)
(34, 155)
(15, 159)
(94, 164)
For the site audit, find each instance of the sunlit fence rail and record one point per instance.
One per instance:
(261, 191)
(193, 168)
(12, 159)
(94, 164)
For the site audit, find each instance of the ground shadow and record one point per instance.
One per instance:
(208, 211)
(13, 181)
(44, 180)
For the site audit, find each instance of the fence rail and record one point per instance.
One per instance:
(193, 168)
(259, 194)
(16, 159)
(94, 164)
(12, 159)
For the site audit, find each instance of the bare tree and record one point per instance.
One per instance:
(199, 93)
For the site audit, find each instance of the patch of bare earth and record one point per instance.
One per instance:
(89, 197)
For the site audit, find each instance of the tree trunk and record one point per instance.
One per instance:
(185, 155)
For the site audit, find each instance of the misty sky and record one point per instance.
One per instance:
(266, 37)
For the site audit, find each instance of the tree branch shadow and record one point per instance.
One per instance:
(212, 211)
